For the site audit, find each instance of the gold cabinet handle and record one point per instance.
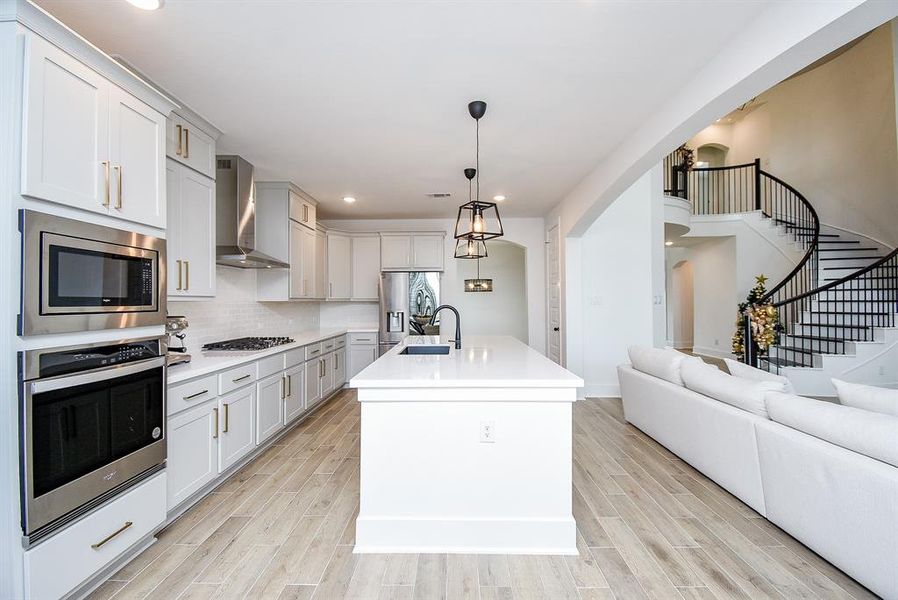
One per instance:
(179, 274)
(186, 274)
(289, 385)
(186, 143)
(118, 200)
(178, 150)
(196, 395)
(109, 537)
(283, 387)
(336, 361)
(106, 192)
(215, 431)
(225, 430)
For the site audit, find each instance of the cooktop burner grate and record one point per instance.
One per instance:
(248, 343)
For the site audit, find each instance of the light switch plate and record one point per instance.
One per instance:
(487, 432)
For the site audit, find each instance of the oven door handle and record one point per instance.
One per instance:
(95, 375)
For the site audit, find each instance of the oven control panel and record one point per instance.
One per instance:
(94, 357)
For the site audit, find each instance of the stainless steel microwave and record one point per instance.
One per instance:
(79, 276)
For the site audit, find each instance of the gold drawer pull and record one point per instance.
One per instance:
(178, 151)
(186, 143)
(180, 278)
(112, 535)
(215, 432)
(226, 418)
(105, 164)
(196, 395)
(119, 202)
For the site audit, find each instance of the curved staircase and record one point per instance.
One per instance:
(838, 307)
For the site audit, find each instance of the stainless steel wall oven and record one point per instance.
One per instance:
(78, 276)
(92, 421)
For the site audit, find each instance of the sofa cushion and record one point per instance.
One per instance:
(866, 432)
(663, 363)
(742, 393)
(867, 397)
(740, 369)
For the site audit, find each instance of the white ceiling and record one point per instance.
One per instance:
(370, 99)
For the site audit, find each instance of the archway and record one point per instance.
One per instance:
(680, 306)
(711, 155)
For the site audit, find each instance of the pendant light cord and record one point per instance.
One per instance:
(477, 155)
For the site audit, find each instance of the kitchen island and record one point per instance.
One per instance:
(468, 450)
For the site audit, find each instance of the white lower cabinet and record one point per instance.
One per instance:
(314, 369)
(360, 356)
(192, 451)
(327, 375)
(293, 398)
(339, 368)
(269, 407)
(68, 559)
(237, 432)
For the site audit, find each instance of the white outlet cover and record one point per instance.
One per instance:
(487, 432)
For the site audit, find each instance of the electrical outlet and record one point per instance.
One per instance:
(487, 432)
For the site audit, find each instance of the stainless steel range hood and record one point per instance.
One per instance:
(235, 214)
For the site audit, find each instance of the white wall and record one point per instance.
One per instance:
(527, 233)
(830, 133)
(680, 304)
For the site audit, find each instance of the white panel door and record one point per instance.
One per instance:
(297, 284)
(396, 252)
(65, 132)
(308, 262)
(427, 252)
(236, 423)
(339, 266)
(190, 146)
(360, 357)
(314, 370)
(137, 154)
(197, 243)
(173, 232)
(320, 265)
(327, 375)
(269, 407)
(293, 401)
(365, 267)
(339, 368)
(192, 451)
(553, 282)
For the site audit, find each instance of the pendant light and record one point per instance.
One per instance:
(469, 246)
(478, 220)
(480, 284)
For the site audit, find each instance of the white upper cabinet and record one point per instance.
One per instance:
(190, 243)
(297, 282)
(320, 267)
(190, 145)
(365, 267)
(87, 143)
(412, 251)
(302, 210)
(339, 266)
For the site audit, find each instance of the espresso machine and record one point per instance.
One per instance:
(176, 329)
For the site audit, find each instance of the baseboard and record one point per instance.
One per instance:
(405, 535)
(707, 351)
(599, 390)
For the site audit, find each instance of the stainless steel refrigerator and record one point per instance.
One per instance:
(406, 302)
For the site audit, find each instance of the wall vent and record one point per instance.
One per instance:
(439, 195)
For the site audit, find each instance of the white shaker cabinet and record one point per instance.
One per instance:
(412, 251)
(190, 244)
(320, 267)
(314, 373)
(365, 267)
(339, 266)
(307, 262)
(236, 436)
(427, 252)
(269, 407)
(396, 252)
(190, 146)
(192, 451)
(293, 398)
(339, 368)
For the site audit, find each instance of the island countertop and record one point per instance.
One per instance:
(482, 362)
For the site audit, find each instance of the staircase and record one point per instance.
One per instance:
(838, 307)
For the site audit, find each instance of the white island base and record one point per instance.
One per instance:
(469, 452)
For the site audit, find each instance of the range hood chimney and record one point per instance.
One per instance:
(235, 214)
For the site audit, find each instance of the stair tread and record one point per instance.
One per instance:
(782, 362)
(837, 241)
(818, 338)
(835, 325)
(850, 257)
(858, 249)
(794, 349)
(847, 312)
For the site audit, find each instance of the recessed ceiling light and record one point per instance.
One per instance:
(147, 4)
(668, 243)
(499, 198)
(348, 199)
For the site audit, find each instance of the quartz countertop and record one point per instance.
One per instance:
(204, 363)
(482, 362)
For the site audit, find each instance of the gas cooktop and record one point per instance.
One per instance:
(248, 344)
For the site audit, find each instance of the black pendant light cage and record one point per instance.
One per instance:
(470, 248)
(479, 284)
(477, 220)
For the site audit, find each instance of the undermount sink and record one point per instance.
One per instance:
(425, 350)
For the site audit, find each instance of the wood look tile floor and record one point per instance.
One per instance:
(649, 526)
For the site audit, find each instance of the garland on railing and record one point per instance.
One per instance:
(764, 320)
(687, 156)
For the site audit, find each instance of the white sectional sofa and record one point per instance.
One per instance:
(825, 473)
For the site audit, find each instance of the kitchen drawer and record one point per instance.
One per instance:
(341, 341)
(192, 393)
(313, 351)
(328, 345)
(362, 338)
(237, 377)
(294, 357)
(69, 558)
(270, 365)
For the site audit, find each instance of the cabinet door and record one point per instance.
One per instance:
(197, 242)
(396, 252)
(297, 284)
(427, 252)
(192, 451)
(198, 150)
(314, 369)
(360, 357)
(293, 403)
(327, 375)
(137, 154)
(339, 266)
(365, 267)
(339, 368)
(173, 231)
(308, 263)
(65, 130)
(269, 407)
(320, 265)
(236, 422)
